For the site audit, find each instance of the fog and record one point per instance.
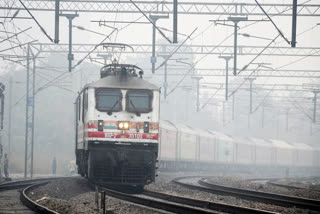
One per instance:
(282, 104)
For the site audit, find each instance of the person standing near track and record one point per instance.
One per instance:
(54, 166)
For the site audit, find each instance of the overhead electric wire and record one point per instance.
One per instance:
(41, 28)
(272, 22)
(17, 46)
(298, 60)
(206, 103)
(80, 61)
(193, 66)
(246, 66)
(174, 51)
(154, 25)
(16, 34)
(13, 2)
(264, 99)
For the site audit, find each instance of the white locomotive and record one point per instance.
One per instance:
(117, 127)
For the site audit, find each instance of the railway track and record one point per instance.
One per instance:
(205, 204)
(177, 204)
(14, 199)
(269, 198)
(274, 182)
(156, 202)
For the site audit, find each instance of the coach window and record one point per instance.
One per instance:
(139, 101)
(108, 100)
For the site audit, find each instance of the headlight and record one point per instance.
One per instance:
(120, 125)
(126, 125)
(123, 125)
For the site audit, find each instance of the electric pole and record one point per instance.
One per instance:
(226, 58)
(235, 21)
(154, 18)
(70, 17)
(198, 91)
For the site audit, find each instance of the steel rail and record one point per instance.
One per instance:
(270, 198)
(32, 204)
(29, 184)
(205, 204)
(23, 183)
(154, 203)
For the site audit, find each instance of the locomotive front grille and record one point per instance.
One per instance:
(122, 175)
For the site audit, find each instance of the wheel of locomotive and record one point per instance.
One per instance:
(139, 188)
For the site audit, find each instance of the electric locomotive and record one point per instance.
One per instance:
(117, 127)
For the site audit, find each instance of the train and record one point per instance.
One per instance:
(117, 127)
(184, 147)
(120, 139)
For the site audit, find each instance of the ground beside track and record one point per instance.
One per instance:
(164, 184)
(242, 183)
(75, 196)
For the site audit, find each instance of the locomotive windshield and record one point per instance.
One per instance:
(108, 100)
(139, 101)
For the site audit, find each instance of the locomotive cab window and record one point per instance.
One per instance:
(139, 101)
(108, 100)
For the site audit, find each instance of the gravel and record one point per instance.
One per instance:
(74, 196)
(164, 184)
(244, 184)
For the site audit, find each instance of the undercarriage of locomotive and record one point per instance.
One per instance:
(120, 164)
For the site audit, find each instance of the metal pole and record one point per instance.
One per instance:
(175, 21)
(198, 97)
(223, 115)
(227, 74)
(227, 58)
(235, 48)
(70, 17)
(294, 23)
(70, 55)
(262, 117)
(250, 96)
(278, 123)
(250, 80)
(153, 58)
(33, 106)
(198, 91)
(56, 27)
(315, 106)
(27, 99)
(9, 122)
(165, 84)
(187, 105)
(287, 119)
(233, 100)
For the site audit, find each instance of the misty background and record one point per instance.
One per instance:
(276, 115)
